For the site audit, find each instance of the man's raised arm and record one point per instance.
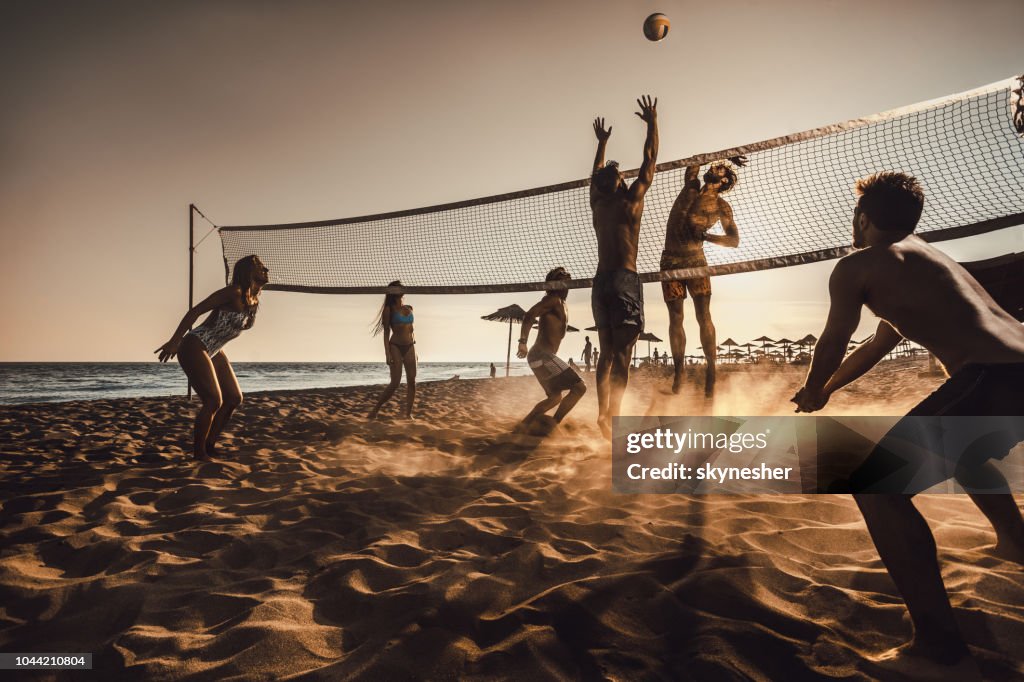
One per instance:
(648, 113)
(602, 142)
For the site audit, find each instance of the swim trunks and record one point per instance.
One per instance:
(551, 371)
(617, 299)
(905, 459)
(675, 289)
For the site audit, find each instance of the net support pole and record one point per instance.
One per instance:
(508, 351)
(191, 271)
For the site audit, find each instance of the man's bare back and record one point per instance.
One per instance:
(617, 225)
(930, 299)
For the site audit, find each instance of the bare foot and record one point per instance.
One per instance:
(1009, 550)
(202, 457)
(605, 424)
(709, 381)
(677, 383)
(919, 662)
(212, 450)
(372, 416)
(541, 425)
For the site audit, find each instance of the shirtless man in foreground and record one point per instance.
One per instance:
(925, 296)
(695, 211)
(551, 371)
(617, 299)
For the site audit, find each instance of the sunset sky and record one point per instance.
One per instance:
(116, 115)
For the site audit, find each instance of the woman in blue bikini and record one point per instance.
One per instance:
(199, 350)
(395, 323)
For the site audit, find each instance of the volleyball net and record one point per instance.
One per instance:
(793, 204)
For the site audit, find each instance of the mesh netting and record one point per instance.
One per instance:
(793, 204)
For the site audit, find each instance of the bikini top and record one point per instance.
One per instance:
(399, 318)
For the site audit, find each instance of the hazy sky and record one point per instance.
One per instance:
(116, 115)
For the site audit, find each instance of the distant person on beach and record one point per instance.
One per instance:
(494, 371)
(656, 357)
(200, 351)
(588, 352)
(394, 322)
(617, 297)
(923, 295)
(694, 213)
(554, 375)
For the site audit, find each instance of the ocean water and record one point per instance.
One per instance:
(47, 382)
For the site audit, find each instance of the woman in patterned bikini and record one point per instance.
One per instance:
(395, 323)
(200, 355)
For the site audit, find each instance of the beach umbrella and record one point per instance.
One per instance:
(568, 327)
(648, 337)
(809, 340)
(729, 343)
(764, 341)
(510, 313)
(785, 347)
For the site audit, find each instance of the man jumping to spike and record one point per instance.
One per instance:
(925, 296)
(694, 212)
(617, 299)
(551, 371)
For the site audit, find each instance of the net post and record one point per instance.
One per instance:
(508, 352)
(191, 272)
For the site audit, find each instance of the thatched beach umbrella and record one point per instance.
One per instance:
(809, 340)
(510, 313)
(729, 345)
(648, 337)
(764, 341)
(785, 347)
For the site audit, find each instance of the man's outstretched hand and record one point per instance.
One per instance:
(599, 130)
(648, 108)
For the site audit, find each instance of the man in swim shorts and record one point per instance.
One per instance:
(923, 295)
(554, 375)
(694, 213)
(617, 298)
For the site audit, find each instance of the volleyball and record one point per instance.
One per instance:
(656, 27)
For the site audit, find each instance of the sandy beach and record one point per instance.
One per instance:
(319, 545)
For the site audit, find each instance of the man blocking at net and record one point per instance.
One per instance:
(617, 299)
(554, 375)
(922, 294)
(695, 211)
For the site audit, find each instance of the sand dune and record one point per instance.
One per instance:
(323, 546)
